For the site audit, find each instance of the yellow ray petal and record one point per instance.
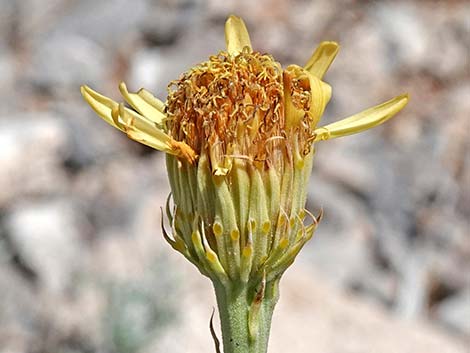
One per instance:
(139, 127)
(322, 58)
(150, 99)
(144, 131)
(149, 140)
(136, 126)
(117, 118)
(236, 35)
(363, 120)
(141, 105)
(102, 105)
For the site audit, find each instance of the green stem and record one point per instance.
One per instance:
(234, 305)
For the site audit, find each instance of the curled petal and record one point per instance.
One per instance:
(321, 94)
(150, 99)
(236, 35)
(103, 106)
(142, 130)
(322, 58)
(138, 127)
(297, 82)
(363, 120)
(293, 114)
(142, 105)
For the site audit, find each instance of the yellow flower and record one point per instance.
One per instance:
(152, 124)
(239, 108)
(238, 132)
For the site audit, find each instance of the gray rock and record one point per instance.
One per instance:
(8, 75)
(411, 33)
(412, 293)
(47, 237)
(455, 311)
(7, 18)
(404, 30)
(31, 155)
(147, 69)
(165, 21)
(19, 312)
(105, 22)
(68, 60)
(167, 63)
(340, 235)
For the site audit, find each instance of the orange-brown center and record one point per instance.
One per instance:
(233, 106)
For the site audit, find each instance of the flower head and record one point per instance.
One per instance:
(238, 131)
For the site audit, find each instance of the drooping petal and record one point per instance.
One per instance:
(102, 105)
(236, 35)
(363, 120)
(322, 58)
(142, 105)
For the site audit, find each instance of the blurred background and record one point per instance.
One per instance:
(83, 267)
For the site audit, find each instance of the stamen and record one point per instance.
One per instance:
(229, 106)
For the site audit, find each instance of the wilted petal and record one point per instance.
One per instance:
(322, 58)
(363, 120)
(236, 35)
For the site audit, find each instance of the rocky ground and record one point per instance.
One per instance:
(84, 268)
